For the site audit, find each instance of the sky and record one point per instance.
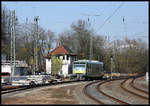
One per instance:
(58, 16)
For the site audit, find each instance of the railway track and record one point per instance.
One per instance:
(23, 88)
(14, 90)
(90, 96)
(86, 92)
(111, 97)
(99, 101)
(103, 100)
(130, 91)
(140, 90)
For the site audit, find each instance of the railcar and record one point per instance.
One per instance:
(88, 69)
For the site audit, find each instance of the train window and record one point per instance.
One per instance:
(90, 68)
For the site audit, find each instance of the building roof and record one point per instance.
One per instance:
(60, 50)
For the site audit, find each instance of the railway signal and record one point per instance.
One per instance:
(112, 65)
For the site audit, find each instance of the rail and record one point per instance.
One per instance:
(111, 97)
(7, 90)
(91, 97)
(121, 85)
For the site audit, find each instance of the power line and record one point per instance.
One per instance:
(91, 14)
(111, 15)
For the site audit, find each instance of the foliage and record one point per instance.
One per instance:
(5, 31)
(56, 65)
(78, 40)
(133, 58)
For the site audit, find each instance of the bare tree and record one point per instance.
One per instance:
(5, 31)
(45, 40)
(131, 56)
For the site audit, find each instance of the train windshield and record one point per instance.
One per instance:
(79, 67)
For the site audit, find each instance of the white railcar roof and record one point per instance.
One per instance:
(90, 61)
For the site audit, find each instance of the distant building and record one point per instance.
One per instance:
(66, 55)
(21, 68)
(119, 47)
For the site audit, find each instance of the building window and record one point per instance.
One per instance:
(67, 57)
(48, 59)
(63, 57)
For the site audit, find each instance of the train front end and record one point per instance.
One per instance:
(79, 69)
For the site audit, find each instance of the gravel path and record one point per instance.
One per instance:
(113, 89)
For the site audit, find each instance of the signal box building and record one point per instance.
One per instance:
(64, 53)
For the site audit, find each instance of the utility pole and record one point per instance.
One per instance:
(13, 41)
(36, 44)
(113, 62)
(91, 37)
(112, 59)
(91, 45)
(111, 65)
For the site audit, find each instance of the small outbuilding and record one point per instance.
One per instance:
(64, 53)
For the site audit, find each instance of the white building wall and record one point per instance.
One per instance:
(6, 69)
(65, 66)
(48, 66)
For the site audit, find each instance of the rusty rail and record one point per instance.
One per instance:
(91, 97)
(111, 97)
(133, 93)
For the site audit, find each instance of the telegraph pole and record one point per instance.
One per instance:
(36, 44)
(112, 61)
(13, 41)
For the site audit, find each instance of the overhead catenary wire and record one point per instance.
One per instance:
(110, 16)
(112, 61)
